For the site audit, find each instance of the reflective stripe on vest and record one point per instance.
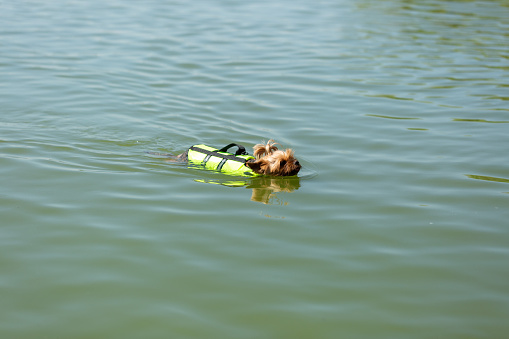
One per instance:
(211, 159)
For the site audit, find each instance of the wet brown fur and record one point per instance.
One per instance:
(269, 160)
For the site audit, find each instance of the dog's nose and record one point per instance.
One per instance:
(297, 163)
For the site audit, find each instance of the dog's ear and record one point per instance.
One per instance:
(256, 166)
(264, 149)
(259, 151)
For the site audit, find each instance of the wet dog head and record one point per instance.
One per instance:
(271, 161)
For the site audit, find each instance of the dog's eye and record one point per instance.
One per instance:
(283, 162)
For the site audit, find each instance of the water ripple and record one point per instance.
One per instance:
(125, 245)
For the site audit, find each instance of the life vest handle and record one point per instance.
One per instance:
(241, 149)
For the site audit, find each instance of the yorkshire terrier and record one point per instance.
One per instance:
(271, 161)
(266, 159)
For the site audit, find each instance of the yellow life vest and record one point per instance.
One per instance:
(219, 160)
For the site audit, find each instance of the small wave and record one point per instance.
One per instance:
(391, 117)
(487, 178)
(483, 120)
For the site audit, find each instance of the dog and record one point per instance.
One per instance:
(267, 159)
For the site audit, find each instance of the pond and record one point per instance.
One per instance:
(396, 226)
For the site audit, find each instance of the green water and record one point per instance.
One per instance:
(397, 226)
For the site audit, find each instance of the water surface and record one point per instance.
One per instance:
(395, 228)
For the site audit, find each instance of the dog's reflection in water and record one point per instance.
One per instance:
(264, 188)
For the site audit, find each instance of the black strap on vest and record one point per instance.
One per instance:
(241, 151)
